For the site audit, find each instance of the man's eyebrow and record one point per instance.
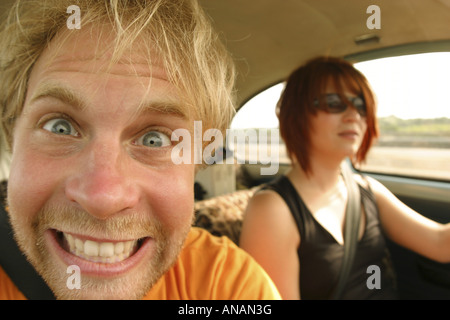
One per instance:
(59, 92)
(68, 96)
(164, 107)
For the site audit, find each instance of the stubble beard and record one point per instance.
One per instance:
(135, 284)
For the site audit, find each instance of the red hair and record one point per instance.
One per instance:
(296, 104)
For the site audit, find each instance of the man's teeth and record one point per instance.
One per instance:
(103, 252)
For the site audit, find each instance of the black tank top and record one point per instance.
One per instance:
(321, 255)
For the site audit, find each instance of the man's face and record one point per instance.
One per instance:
(92, 183)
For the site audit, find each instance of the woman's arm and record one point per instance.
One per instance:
(270, 235)
(409, 228)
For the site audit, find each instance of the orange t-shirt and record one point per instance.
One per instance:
(208, 268)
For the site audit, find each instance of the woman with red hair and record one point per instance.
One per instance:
(294, 226)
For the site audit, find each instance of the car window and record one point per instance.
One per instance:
(254, 126)
(413, 114)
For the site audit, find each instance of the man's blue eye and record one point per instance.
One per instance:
(154, 139)
(60, 126)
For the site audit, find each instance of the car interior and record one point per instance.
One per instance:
(268, 39)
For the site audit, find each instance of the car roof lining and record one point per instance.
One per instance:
(269, 38)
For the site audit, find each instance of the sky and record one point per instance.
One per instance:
(415, 86)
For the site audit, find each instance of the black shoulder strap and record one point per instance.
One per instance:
(14, 263)
(287, 191)
(352, 220)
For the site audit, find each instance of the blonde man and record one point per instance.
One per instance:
(89, 111)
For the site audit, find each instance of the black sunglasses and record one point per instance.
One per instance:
(332, 103)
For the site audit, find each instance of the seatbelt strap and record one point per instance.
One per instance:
(14, 263)
(352, 221)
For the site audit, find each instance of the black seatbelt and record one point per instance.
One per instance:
(14, 263)
(352, 220)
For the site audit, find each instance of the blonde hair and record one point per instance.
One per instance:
(195, 59)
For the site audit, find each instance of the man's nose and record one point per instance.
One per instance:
(102, 185)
